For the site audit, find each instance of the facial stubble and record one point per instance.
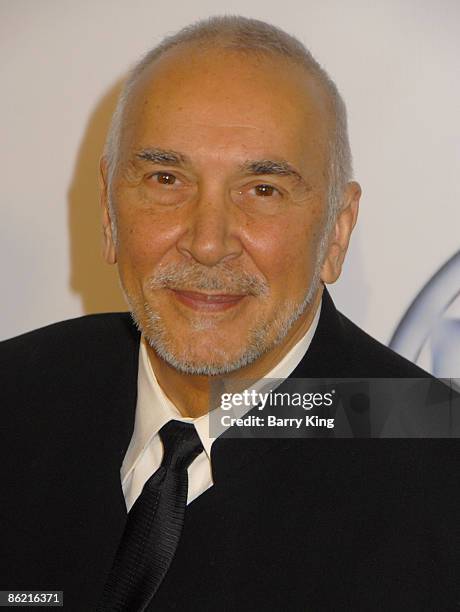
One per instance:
(262, 337)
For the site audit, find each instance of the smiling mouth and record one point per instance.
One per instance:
(207, 302)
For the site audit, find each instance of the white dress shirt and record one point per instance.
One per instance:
(154, 409)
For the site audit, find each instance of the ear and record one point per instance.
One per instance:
(340, 234)
(109, 252)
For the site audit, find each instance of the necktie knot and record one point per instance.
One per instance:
(181, 444)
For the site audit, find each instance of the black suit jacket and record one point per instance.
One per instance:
(317, 524)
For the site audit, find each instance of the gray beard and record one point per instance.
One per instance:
(263, 337)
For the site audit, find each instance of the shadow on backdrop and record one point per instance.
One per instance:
(94, 280)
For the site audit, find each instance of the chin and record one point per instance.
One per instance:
(215, 362)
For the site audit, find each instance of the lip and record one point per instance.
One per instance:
(208, 302)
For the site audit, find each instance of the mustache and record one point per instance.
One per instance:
(195, 277)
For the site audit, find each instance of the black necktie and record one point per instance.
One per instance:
(154, 525)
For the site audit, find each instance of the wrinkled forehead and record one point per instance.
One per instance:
(214, 90)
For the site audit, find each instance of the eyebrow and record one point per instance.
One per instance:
(162, 156)
(268, 166)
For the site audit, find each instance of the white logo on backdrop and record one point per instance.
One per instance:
(429, 320)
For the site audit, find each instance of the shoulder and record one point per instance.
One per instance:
(365, 352)
(82, 333)
(344, 350)
(68, 350)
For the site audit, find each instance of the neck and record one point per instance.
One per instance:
(190, 394)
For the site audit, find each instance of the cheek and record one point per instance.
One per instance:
(144, 240)
(286, 251)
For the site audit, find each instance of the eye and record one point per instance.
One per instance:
(265, 190)
(164, 178)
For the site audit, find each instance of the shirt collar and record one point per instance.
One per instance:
(154, 409)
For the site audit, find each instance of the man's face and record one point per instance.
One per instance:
(220, 200)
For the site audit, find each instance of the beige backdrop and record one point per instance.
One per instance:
(396, 63)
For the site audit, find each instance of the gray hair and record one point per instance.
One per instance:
(243, 34)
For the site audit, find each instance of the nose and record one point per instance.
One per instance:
(211, 233)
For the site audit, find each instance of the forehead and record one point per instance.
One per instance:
(224, 101)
